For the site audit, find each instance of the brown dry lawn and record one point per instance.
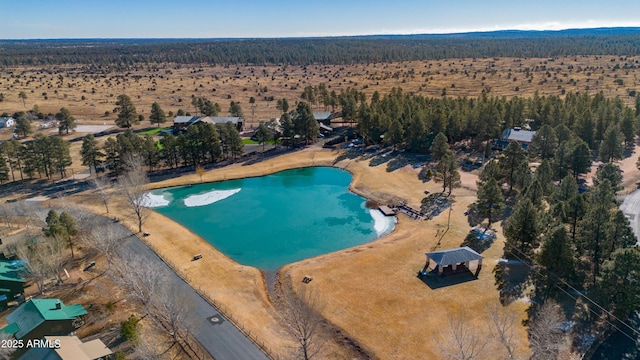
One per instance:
(371, 291)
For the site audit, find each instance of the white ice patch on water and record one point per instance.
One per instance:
(381, 224)
(152, 200)
(209, 198)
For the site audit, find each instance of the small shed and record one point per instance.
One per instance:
(453, 261)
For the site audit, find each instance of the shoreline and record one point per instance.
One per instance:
(319, 158)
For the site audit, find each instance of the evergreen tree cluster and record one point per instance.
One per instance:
(44, 156)
(566, 128)
(341, 50)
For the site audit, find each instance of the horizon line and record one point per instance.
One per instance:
(327, 36)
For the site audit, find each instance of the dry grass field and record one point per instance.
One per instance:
(90, 92)
(371, 291)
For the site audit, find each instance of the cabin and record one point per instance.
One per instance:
(37, 318)
(68, 348)
(7, 122)
(216, 120)
(522, 137)
(452, 261)
(181, 123)
(11, 281)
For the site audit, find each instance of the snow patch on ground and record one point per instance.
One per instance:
(209, 197)
(152, 200)
(381, 224)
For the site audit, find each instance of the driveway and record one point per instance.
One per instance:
(631, 209)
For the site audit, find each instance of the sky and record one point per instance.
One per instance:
(50, 19)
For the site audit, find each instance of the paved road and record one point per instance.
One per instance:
(631, 209)
(221, 338)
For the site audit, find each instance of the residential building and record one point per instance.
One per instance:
(68, 348)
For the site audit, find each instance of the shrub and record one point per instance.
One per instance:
(130, 330)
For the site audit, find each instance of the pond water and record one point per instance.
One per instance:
(273, 220)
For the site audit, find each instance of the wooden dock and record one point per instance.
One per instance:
(387, 211)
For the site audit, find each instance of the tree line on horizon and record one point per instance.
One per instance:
(312, 50)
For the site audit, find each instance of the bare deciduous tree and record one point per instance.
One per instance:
(169, 309)
(462, 341)
(545, 334)
(132, 186)
(502, 324)
(302, 319)
(105, 239)
(43, 259)
(103, 189)
(139, 278)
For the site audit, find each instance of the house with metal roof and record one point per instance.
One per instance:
(37, 318)
(453, 261)
(180, 123)
(11, 280)
(68, 348)
(7, 122)
(522, 137)
(237, 121)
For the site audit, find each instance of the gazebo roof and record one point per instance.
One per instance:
(454, 256)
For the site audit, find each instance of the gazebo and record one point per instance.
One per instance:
(452, 261)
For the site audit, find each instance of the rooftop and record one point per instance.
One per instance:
(322, 115)
(221, 119)
(517, 134)
(10, 270)
(454, 256)
(184, 119)
(71, 348)
(34, 312)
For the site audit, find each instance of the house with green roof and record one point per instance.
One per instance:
(39, 317)
(11, 280)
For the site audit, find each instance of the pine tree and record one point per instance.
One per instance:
(619, 284)
(568, 189)
(263, 134)
(447, 172)
(70, 230)
(490, 201)
(157, 115)
(544, 143)
(66, 122)
(556, 258)
(234, 141)
(522, 230)
(578, 157)
(127, 115)
(611, 172)
(90, 153)
(4, 169)
(23, 126)
(235, 109)
(611, 148)
(514, 157)
(439, 147)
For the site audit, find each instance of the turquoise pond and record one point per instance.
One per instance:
(273, 220)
